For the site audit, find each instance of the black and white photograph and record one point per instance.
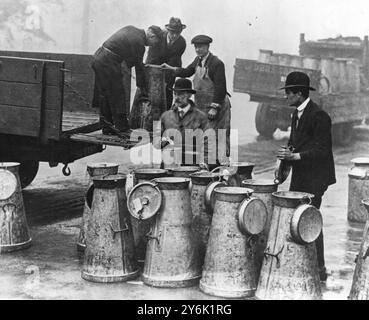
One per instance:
(206, 151)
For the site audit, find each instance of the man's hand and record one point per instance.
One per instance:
(212, 113)
(168, 67)
(286, 154)
(165, 142)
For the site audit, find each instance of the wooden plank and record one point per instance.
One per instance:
(20, 120)
(20, 94)
(79, 63)
(20, 70)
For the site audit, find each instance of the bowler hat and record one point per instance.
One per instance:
(201, 39)
(297, 79)
(175, 25)
(183, 84)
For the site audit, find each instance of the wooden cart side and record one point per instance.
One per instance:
(31, 97)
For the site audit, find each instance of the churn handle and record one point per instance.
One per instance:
(306, 197)
(126, 228)
(9, 205)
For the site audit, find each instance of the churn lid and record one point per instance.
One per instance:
(144, 200)
(8, 184)
(306, 224)
(363, 161)
(283, 169)
(252, 216)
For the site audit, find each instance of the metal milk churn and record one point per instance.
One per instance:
(142, 226)
(229, 267)
(360, 282)
(110, 253)
(202, 204)
(263, 189)
(290, 267)
(236, 172)
(14, 232)
(94, 169)
(358, 190)
(172, 255)
(184, 172)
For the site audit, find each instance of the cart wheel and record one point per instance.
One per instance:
(342, 133)
(265, 121)
(27, 172)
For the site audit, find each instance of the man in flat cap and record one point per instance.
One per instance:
(184, 115)
(211, 92)
(127, 46)
(169, 51)
(309, 148)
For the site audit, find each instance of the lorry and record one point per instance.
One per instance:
(46, 111)
(338, 69)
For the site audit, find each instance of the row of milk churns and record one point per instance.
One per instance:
(234, 236)
(358, 211)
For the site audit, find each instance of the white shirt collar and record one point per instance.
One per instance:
(203, 60)
(185, 109)
(303, 105)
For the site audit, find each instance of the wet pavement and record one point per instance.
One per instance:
(51, 268)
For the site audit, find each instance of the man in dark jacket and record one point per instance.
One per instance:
(170, 51)
(183, 116)
(126, 45)
(310, 148)
(211, 93)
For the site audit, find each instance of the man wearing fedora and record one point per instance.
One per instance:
(310, 148)
(169, 51)
(211, 91)
(184, 115)
(127, 45)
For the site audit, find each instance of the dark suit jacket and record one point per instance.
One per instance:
(129, 44)
(216, 74)
(312, 139)
(170, 54)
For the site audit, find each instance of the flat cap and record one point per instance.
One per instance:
(201, 38)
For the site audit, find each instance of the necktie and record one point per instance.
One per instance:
(200, 62)
(295, 119)
(181, 114)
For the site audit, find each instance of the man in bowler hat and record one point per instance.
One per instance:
(211, 97)
(309, 148)
(184, 115)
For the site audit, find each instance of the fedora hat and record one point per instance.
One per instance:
(175, 25)
(297, 79)
(183, 84)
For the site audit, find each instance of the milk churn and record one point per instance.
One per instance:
(229, 268)
(110, 253)
(358, 189)
(93, 169)
(360, 282)
(184, 172)
(265, 55)
(290, 267)
(14, 232)
(236, 172)
(142, 226)
(263, 189)
(202, 204)
(172, 251)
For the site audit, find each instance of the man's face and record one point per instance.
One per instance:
(201, 49)
(181, 98)
(293, 99)
(172, 35)
(152, 39)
